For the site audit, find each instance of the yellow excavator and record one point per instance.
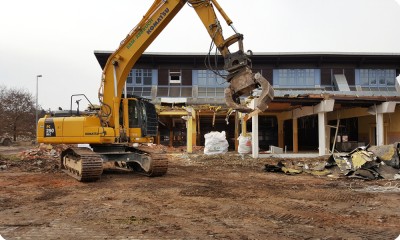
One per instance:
(121, 121)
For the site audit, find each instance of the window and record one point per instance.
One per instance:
(175, 76)
(377, 77)
(295, 77)
(143, 76)
(139, 82)
(130, 77)
(174, 83)
(209, 78)
(210, 84)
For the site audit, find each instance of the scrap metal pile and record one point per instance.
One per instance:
(375, 162)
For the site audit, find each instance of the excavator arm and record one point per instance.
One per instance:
(238, 65)
(240, 76)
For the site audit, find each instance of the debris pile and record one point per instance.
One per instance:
(365, 163)
(151, 147)
(44, 158)
(376, 162)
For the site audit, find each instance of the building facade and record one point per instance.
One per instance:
(315, 94)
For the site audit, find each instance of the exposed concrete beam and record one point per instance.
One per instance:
(302, 112)
(324, 106)
(386, 107)
(173, 113)
(348, 113)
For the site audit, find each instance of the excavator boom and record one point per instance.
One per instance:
(240, 76)
(112, 137)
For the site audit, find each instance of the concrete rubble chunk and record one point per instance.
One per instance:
(364, 163)
(387, 172)
(387, 153)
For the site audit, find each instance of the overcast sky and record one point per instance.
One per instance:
(57, 38)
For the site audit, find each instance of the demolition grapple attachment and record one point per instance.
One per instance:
(242, 84)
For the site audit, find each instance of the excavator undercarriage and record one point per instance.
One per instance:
(86, 165)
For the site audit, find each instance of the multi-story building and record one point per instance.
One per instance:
(315, 93)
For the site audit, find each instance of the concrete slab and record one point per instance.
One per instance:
(290, 155)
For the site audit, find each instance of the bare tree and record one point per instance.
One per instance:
(3, 90)
(17, 112)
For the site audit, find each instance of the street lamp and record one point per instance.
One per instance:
(36, 105)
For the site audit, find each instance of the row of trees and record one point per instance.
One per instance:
(17, 113)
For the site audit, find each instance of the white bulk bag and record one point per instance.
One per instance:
(215, 143)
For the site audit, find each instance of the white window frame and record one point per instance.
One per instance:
(175, 74)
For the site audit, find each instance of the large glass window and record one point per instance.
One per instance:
(295, 77)
(210, 84)
(143, 76)
(377, 77)
(139, 82)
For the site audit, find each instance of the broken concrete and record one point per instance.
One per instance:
(364, 163)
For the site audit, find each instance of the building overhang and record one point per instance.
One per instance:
(269, 58)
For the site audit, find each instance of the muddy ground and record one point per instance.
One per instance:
(200, 197)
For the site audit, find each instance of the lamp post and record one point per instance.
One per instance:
(36, 105)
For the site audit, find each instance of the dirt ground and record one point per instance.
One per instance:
(201, 197)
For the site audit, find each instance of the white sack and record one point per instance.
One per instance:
(244, 144)
(215, 143)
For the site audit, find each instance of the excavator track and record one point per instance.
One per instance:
(159, 166)
(82, 164)
(158, 162)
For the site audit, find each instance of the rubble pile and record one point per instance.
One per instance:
(181, 149)
(365, 163)
(151, 147)
(166, 149)
(44, 158)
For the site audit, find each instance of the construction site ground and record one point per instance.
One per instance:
(201, 197)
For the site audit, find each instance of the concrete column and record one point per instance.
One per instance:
(322, 121)
(254, 131)
(378, 111)
(379, 130)
(194, 131)
(322, 109)
(281, 140)
(254, 136)
(158, 138)
(243, 125)
(237, 123)
(295, 136)
(189, 134)
(171, 137)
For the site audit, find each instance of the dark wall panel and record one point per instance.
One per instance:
(350, 76)
(268, 74)
(326, 76)
(163, 77)
(187, 77)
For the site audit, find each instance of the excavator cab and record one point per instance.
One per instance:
(138, 120)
